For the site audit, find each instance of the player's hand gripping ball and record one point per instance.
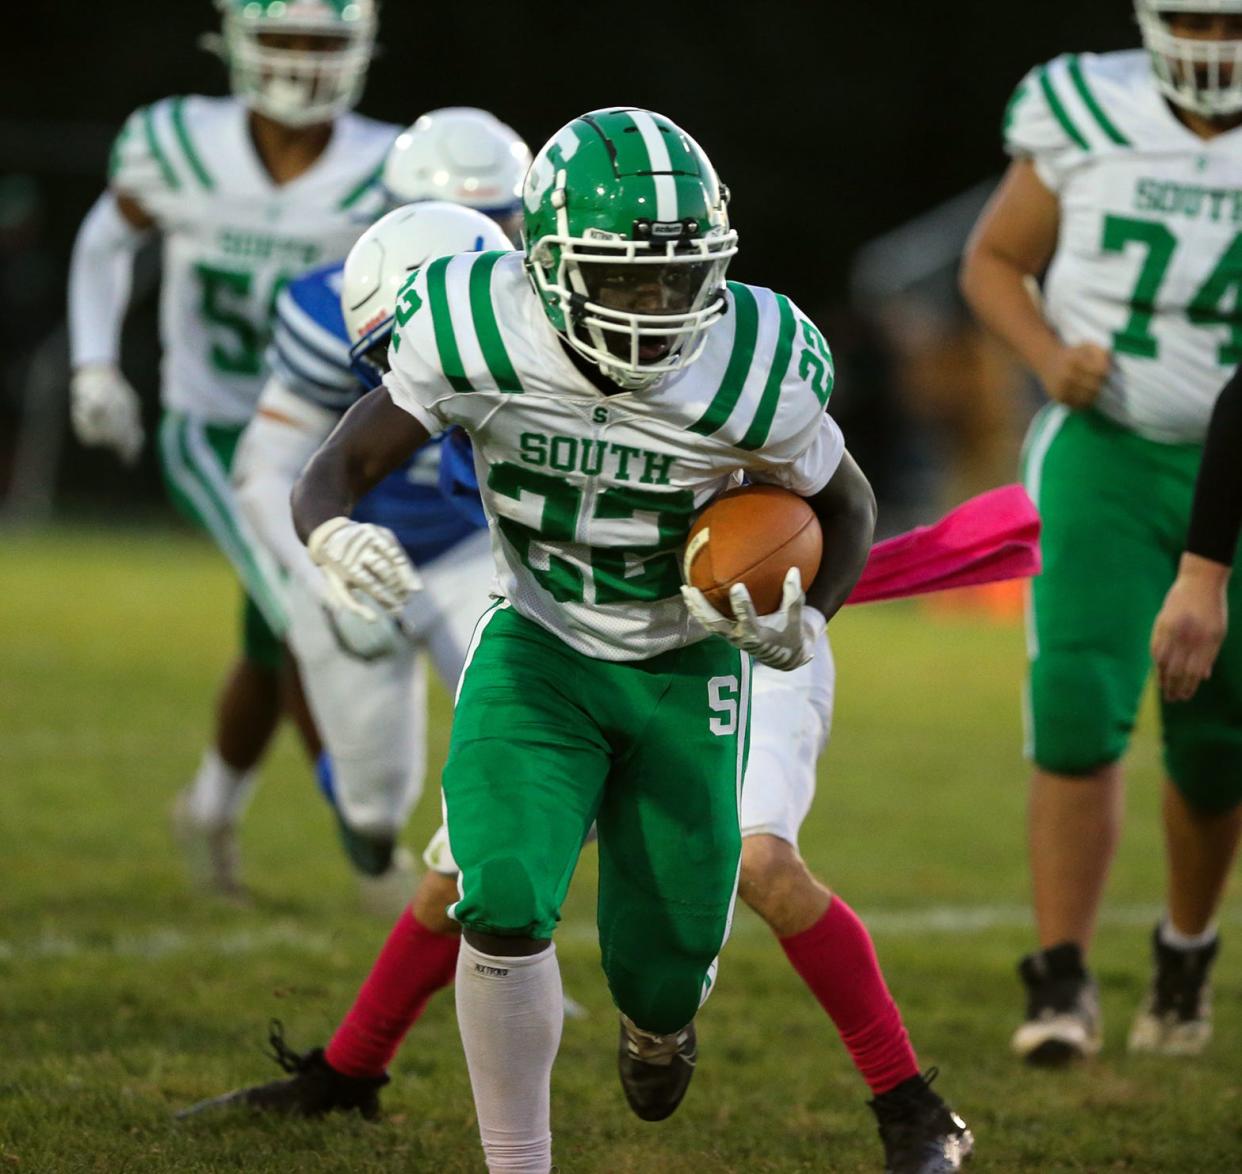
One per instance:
(746, 562)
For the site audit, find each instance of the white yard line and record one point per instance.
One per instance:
(154, 944)
(167, 942)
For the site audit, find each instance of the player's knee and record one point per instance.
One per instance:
(369, 817)
(502, 897)
(1081, 713)
(662, 997)
(657, 968)
(370, 853)
(776, 883)
(1205, 764)
(770, 866)
(430, 903)
(372, 795)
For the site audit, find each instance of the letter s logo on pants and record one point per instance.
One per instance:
(722, 695)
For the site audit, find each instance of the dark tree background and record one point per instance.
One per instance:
(831, 123)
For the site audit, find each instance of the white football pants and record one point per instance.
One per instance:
(372, 715)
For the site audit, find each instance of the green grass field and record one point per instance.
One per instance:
(123, 998)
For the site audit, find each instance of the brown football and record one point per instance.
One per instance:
(752, 535)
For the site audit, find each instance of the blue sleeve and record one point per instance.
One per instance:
(459, 483)
(309, 351)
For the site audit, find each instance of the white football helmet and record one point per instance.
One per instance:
(465, 156)
(380, 264)
(1203, 75)
(297, 86)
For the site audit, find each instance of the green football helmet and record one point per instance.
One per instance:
(297, 86)
(627, 242)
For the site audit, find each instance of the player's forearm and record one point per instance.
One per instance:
(100, 278)
(1217, 514)
(846, 511)
(998, 290)
(373, 439)
(326, 489)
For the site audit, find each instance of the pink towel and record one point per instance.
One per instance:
(989, 538)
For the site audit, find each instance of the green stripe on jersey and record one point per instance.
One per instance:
(170, 176)
(1058, 111)
(745, 331)
(761, 425)
(486, 328)
(442, 322)
(363, 187)
(183, 137)
(1011, 110)
(1088, 100)
(118, 147)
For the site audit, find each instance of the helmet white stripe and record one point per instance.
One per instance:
(657, 152)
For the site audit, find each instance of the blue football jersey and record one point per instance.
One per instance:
(433, 502)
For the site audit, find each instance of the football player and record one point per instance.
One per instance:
(791, 716)
(1194, 620)
(363, 678)
(245, 192)
(1125, 191)
(611, 384)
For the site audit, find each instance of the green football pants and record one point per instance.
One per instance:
(547, 741)
(197, 459)
(1115, 508)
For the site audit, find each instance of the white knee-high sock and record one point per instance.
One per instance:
(509, 1012)
(219, 793)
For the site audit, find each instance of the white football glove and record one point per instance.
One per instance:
(106, 410)
(369, 636)
(784, 640)
(359, 556)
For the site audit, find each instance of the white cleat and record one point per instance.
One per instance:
(1166, 1035)
(1054, 1039)
(210, 850)
(1176, 1017)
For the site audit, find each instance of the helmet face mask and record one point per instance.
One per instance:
(638, 310)
(1202, 74)
(627, 242)
(298, 62)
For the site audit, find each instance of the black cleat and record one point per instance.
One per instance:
(921, 1134)
(1062, 1008)
(314, 1089)
(655, 1069)
(1176, 1017)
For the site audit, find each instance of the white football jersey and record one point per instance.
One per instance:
(590, 496)
(1149, 261)
(232, 237)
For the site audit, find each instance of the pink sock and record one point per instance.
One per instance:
(836, 959)
(412, 966)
